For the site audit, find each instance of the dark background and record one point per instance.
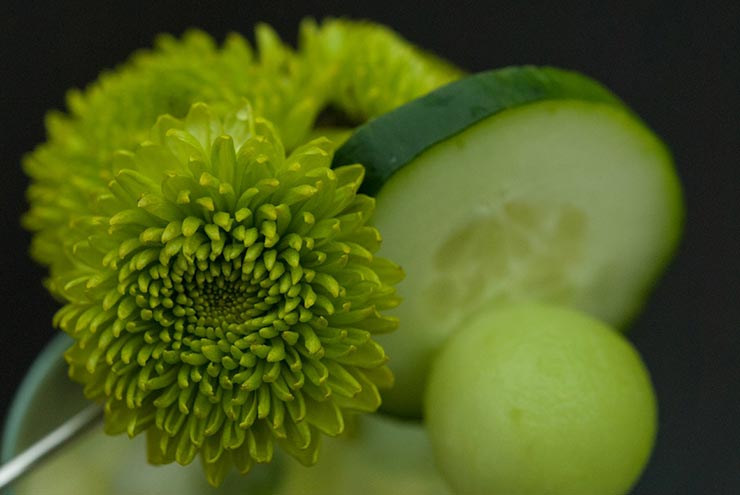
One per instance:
(676, 63)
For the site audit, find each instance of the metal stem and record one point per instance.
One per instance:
(27, 460)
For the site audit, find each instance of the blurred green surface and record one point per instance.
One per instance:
(378, 455)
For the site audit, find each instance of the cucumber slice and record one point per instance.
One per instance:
(515, 184)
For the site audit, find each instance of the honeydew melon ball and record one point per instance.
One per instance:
(533, 399)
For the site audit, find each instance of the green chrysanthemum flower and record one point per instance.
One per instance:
(118, 110)
(224, 296)
(369, 69)
(360, 68)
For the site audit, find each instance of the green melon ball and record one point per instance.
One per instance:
(539, 400)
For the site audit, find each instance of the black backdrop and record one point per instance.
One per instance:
(676, 63)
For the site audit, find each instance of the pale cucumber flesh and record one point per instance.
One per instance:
(563, 201)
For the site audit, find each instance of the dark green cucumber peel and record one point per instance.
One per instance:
(387, 142)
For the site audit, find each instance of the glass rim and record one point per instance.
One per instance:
(44, 363)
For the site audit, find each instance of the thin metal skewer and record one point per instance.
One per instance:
(32, 456)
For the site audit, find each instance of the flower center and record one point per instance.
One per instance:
(222, 302)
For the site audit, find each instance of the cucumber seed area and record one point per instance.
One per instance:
(520, 251)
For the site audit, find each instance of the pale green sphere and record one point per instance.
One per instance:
(539, 400)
